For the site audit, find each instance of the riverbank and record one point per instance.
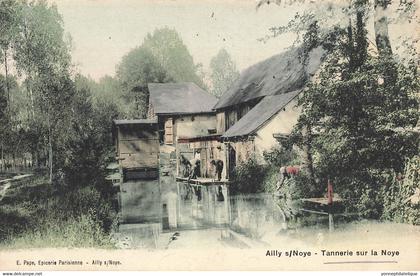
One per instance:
(35, 214)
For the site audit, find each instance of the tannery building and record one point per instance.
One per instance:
(261, 104)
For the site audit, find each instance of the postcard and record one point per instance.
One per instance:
(238, 135)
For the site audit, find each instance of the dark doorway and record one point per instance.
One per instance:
(232, 161)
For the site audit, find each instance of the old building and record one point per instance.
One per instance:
(187, 124)
(261, 104)
(182, 110)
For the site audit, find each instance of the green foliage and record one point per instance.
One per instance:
(9, 20)
(38, 215)
(63, 122)
(89, 142)
(138, 68)
(80, 232)
(279, 156)
(360, 124)
(401, 197)
(167, 47)
(360, 107)
(108, 89)
(270, 179)
(223, 72)
(40, 47)
(41, 57)
(3, 101)
(162, 57)
(248, 177)
(363, 193)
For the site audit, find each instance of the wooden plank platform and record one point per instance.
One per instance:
(203, 181)
(322, 200)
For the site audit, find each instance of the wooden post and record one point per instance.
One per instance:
(50, 160)
(178, 205)
(330, 220)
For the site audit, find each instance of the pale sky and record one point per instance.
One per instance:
(103, 31)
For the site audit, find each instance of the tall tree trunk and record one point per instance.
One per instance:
(6, 69)
(2, 157)
(50, 150)
(14, 161)
(50, 159)
(31, 111)
(383, 42)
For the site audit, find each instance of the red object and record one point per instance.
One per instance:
(330, 192)
(292, 170)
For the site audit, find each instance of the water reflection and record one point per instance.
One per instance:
(202, 206)
(204, 216)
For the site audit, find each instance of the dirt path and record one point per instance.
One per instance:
(3, 189)
(6, 183)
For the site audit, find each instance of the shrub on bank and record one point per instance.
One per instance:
(401, 197)
(73, 232)
(248, 177)
(61, 217)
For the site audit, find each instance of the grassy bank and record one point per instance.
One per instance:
(37, 214)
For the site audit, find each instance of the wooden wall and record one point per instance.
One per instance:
(228, 117)
(194, 125)
(169, 131)
(138, 146)
(220, 123)
(187, 126)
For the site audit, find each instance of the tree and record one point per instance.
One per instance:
(167, 47)
(358, 110)
(357, 114)
(223, 72)
(137, 69)
(9, 18)
(329, 15)
(3, 119)
(33, 35)
(90, 138)
(162, 57)
(107, 89)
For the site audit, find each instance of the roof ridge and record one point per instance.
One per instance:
(250, 123)
(280, 73)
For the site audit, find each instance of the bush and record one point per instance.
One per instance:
(298, 186)
(270, 180)
(249, 177)
(280, 156)
(40, 215)
(398, 203)
(81, 201)
(82, 231)
(364, 196)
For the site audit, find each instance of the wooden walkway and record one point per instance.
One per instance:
(322, 200)
(203, 181)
